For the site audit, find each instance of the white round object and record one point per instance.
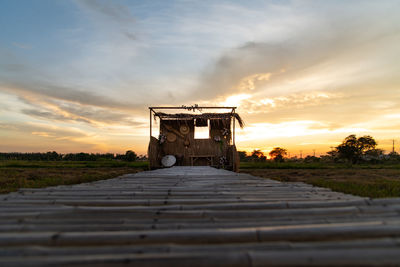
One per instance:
(168, 161)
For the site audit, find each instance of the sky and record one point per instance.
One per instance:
(79, 75)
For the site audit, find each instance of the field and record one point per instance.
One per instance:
(362, 180)
(375, 181)
(35, 174)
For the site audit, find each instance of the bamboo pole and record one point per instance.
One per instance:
(192, 107)
(151, 124)
(233, 141)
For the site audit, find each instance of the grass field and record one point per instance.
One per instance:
(362, 180)
(375, 181)
(314, 165)
(35, 174)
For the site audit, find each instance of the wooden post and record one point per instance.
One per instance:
(151, 125)
(233, 141)
(234, 122)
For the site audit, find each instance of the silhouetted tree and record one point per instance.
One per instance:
(394, 156)
(242, 155)
(278, 154)
(141, 158)
(257, 155)
(130, 155)
(54, 156)
(312, 159)
(353, 148)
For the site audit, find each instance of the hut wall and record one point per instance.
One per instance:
(209, 147)
(233, 158)
(217, 126)
(185, 146)
(153, 153)
(178, 148)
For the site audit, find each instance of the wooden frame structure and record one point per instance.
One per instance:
(219, 150)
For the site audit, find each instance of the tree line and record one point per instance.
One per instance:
(352, 150)
(277, 154)
(54, 156)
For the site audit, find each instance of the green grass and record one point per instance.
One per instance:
(284, 165)
(36, 174)
(379, 180)
(314, 165)
(378, 189)
(72, 164)
(365, 182)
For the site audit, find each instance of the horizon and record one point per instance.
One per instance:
(78, 76)
(290, 155)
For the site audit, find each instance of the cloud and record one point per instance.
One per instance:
(229, 73)
(50, 115)
(76, 82)
(43, 134)
(30, 86)
(254, 104)
(21, 77)
(280, 61)
(109, 9)
(298, 129)
(348, 44)
(44, 130)
(13, 67)
(115, 17)
(30, 137)
(72, 112)
(22, 46)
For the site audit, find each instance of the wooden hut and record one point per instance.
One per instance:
(178, 136)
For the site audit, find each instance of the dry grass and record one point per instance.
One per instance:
(362, 182)
(13, 178)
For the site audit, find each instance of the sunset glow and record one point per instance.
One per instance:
(79, 75)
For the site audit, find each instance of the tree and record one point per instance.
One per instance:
(394, 156)
(353, 148)
(311, 159)
(278, 154)
(242, 155)
(130, 155)
(257, 155)
(375, 155)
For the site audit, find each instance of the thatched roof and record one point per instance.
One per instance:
(208, 116)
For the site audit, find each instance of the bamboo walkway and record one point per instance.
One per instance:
(196, 216)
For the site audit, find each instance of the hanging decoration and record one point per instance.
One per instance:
(161, 139)
(186, 143)
(225, 132)
(184, 129)
(192, 107)
(222, 161)
(172, 130)
(171, 137)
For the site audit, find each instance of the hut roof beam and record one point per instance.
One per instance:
(192, 107)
